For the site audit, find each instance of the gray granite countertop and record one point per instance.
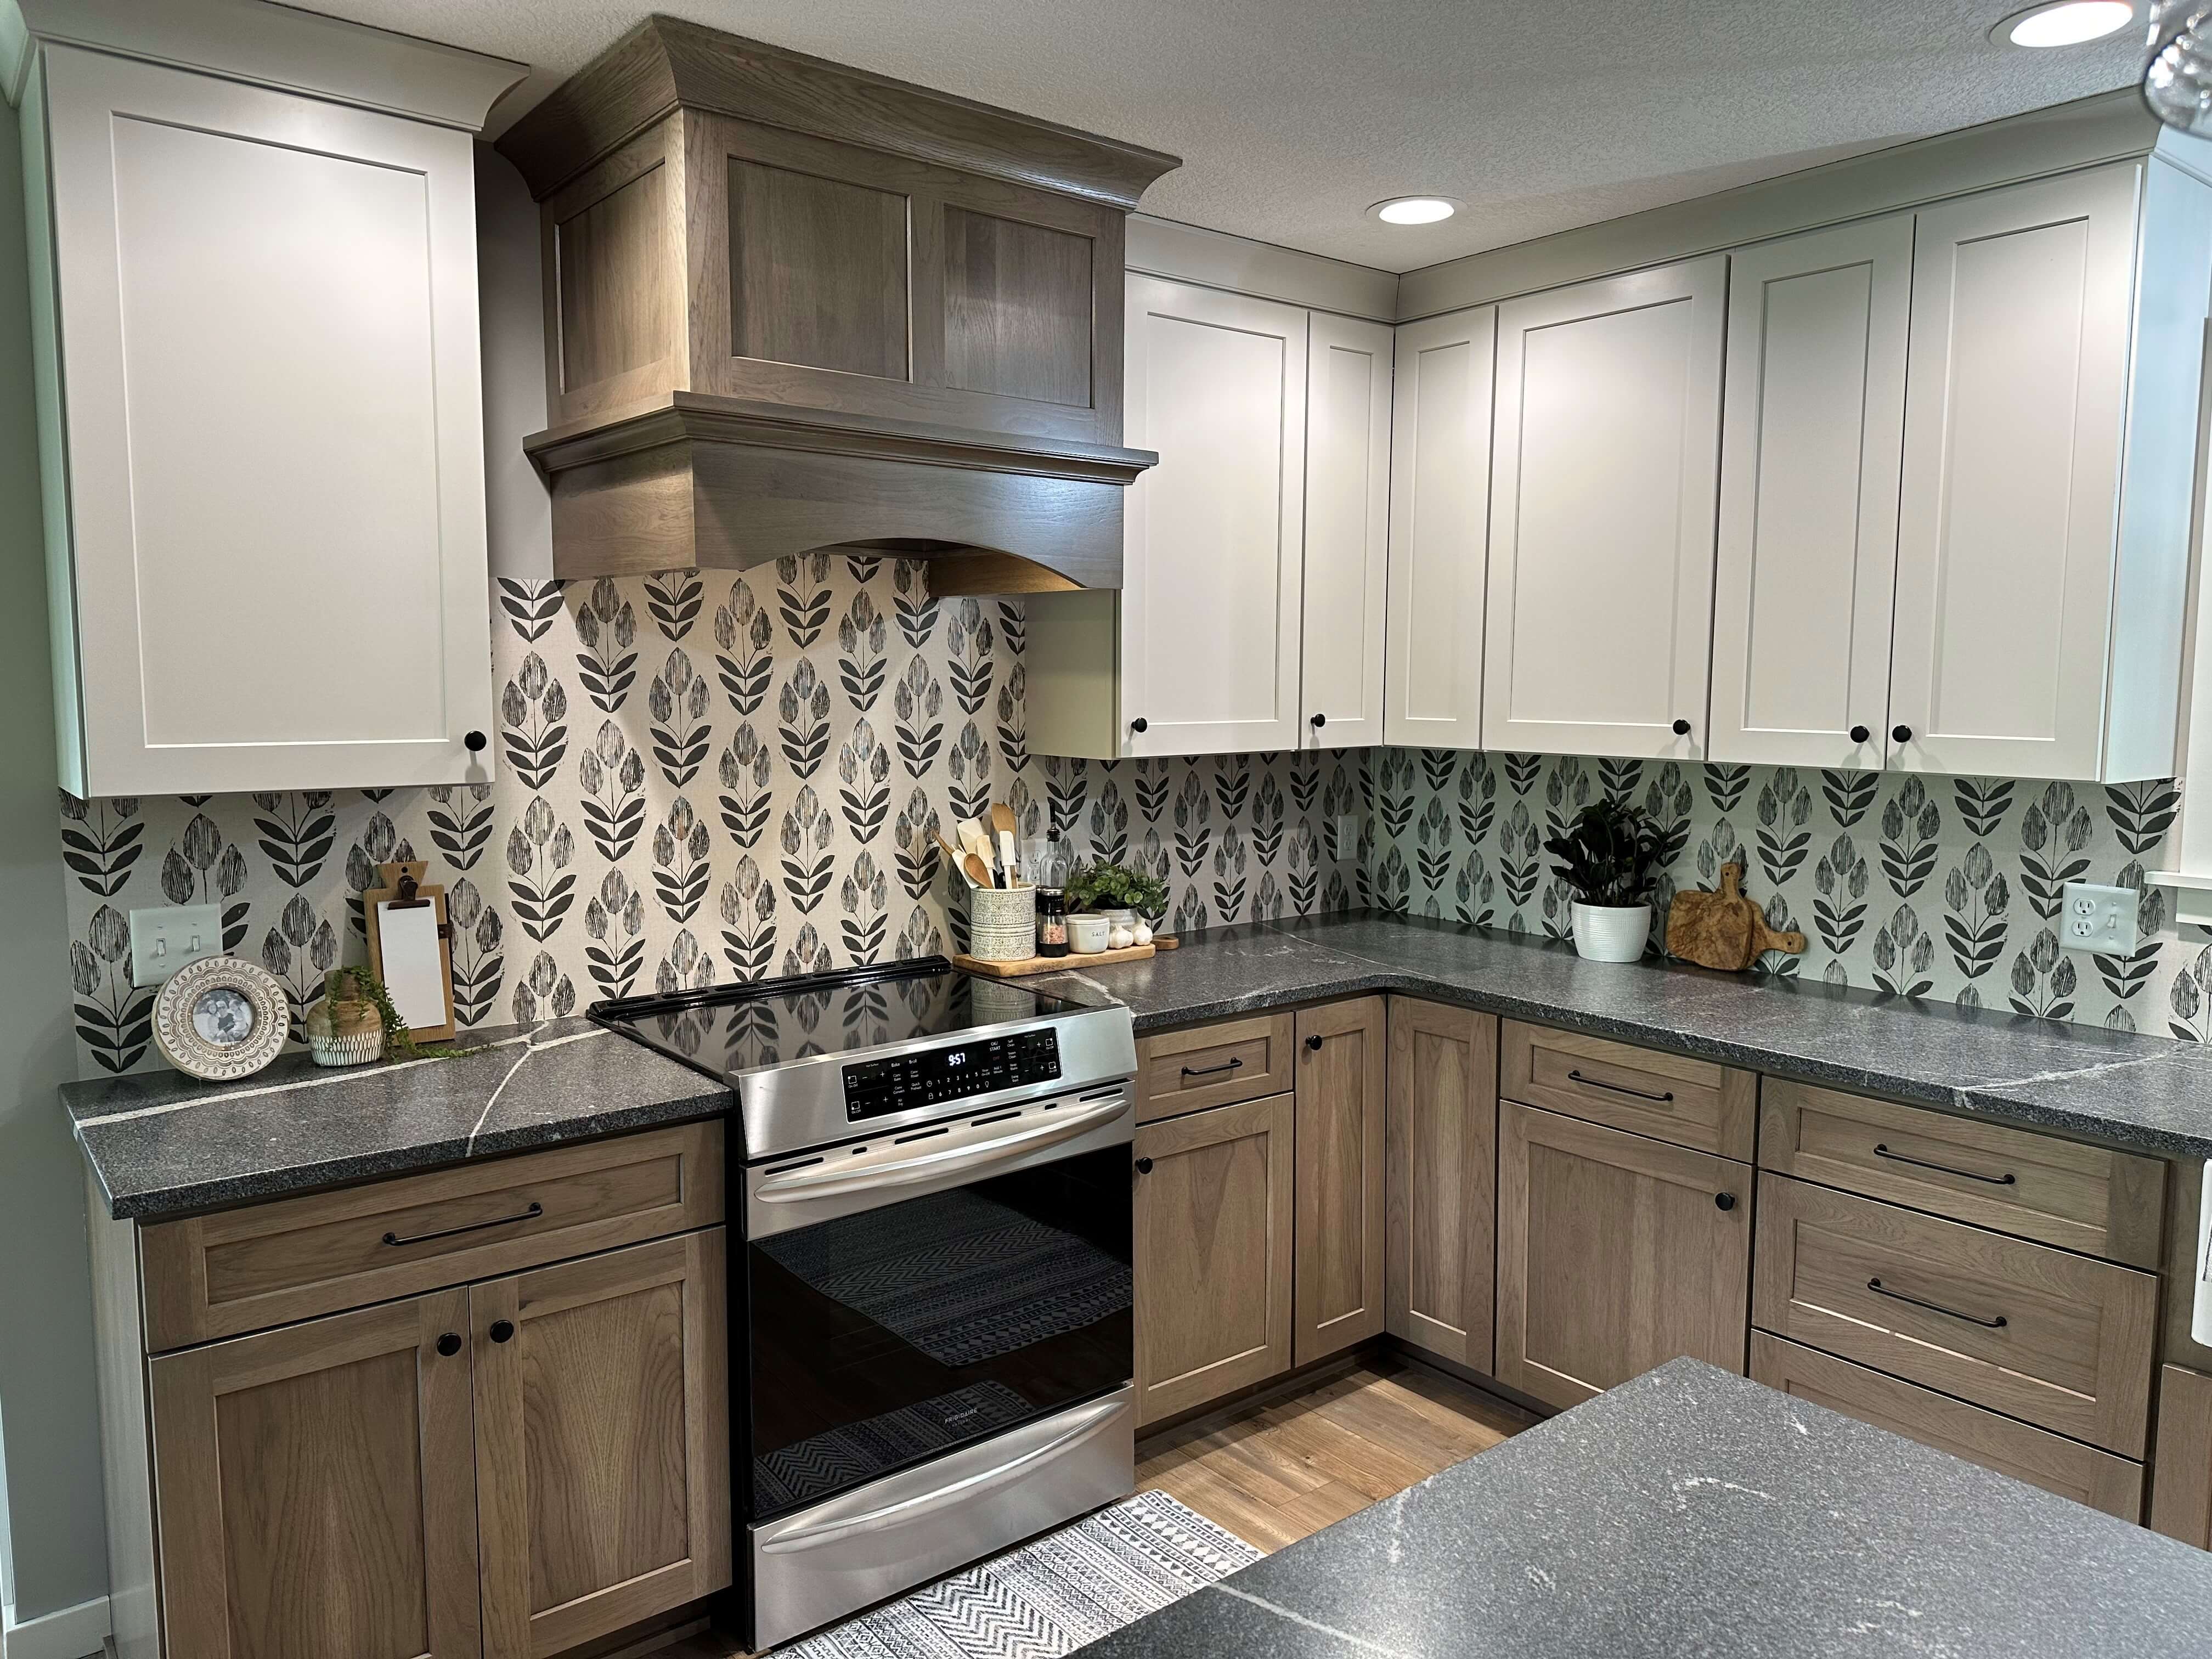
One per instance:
(161, 1144)
(2150, 1093)
(1694, 1512)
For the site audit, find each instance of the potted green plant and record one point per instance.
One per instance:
(1107, 901)
(1608, 856)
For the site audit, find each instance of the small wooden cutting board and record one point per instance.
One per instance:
(1724, 930)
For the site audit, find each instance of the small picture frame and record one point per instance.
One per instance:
(410, 948)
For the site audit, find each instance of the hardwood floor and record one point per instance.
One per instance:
(1280, 1467)
(1275, 1470)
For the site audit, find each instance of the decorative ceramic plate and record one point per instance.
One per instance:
(221, 1019)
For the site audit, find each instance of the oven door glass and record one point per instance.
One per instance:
(883, 1339)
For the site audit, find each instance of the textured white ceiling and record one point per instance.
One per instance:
(1292, 115)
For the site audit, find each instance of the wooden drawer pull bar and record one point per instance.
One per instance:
(1882, 1150)
(1618, 1088)
(535, 1210)
(1880, 1289)
(1213, 1071)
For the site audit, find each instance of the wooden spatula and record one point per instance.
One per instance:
(957, 860)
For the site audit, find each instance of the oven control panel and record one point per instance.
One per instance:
(879, 1088)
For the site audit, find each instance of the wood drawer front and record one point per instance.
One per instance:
(2052, 1462)
(2074, 1353)
(1688, 1102)
(2085, 1198)
(1215, 1065)
(247, 1270)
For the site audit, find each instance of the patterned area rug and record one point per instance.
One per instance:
(1050, 1596)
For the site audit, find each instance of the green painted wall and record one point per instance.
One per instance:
(49, 1409)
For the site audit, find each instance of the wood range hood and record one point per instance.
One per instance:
(791, 306)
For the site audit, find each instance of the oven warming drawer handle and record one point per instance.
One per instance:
(959, 1491)
(831, 1179)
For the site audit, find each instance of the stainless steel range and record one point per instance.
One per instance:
(930, 1329)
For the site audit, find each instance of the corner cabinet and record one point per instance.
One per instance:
(1251, 617)
(254, 321)
(1338, 1279)
(1439, 530)
(1607, 441)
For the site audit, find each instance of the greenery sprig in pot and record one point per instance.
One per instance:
(1110, 903)
(1607, 857)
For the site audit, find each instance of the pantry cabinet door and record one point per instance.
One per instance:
(1214, 537)
(1810, 441)
(270, 412)
(1347, 525)
(1604, 472)
(1439, 530)
(2014, 400)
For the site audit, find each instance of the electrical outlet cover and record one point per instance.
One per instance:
(164, 940)
(2099, 919)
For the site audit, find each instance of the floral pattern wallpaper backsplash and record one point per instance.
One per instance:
(1923, 886)
(706, 777)
(702, 777)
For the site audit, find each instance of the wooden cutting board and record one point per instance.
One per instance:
(1724, 930)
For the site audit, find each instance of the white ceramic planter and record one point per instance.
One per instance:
(1606, 933)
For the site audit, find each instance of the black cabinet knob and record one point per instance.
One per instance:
(1320, 721)
(1144, 1166)
(1723, 1200)
(1681, 728)
(1140, 724)
(501, 1329)
(474, 742)
(449, 1345)
(1313, 1044)
(1860, 734)
(1901, 734)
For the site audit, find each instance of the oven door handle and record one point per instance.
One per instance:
(958, 1491)
(828, 1181)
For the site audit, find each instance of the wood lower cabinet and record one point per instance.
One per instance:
(2181, 1482)
(1338, 1277)
(602, 1442)
(1442, 1184)
(1214, 1203)
(1615, 1253)
(316, 1489)
(2052, 1462)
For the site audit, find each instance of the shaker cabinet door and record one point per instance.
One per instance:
(1339, 1278)
(1214, 537)
(2014, 402)
(602, 1441)
(1809, 453)
(1603, 477)
(315, 1492)
(1348, 522)
(270, 559)
(1439, 530)
(1443, 1182)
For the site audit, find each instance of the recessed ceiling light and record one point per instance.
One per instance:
(2064, 22)
(1414, 210)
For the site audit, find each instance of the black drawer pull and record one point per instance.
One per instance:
(1882, 1150)
(535, 1210)
(1619, 1088)
(1879, 1289)
(1214, 1070)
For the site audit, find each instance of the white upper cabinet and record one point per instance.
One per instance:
(1439, 524)
(262, 431)
(1214, 537)
(2038, 614)
(1814, 417)
(1602, 482)
(1347, 520)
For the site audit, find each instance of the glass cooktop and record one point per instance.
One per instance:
(724, 1030)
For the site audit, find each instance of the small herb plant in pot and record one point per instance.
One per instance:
(1606, 857)
(1106, 900)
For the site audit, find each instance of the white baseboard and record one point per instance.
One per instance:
(69, 1633)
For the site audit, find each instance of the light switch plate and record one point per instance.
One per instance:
(2100, 919)
(164, 940)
